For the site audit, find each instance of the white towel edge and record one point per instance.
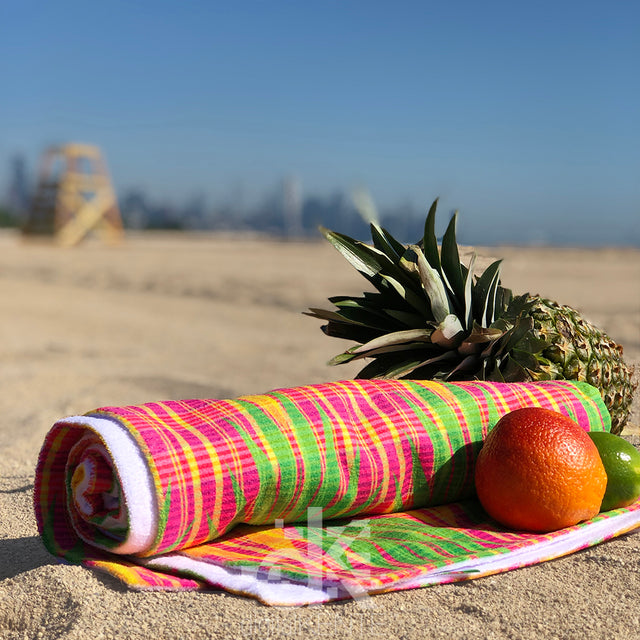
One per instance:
(297, 593)
(135, 478)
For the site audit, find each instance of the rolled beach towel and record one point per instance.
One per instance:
(300, 495)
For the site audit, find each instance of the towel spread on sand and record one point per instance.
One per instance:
(300, 495)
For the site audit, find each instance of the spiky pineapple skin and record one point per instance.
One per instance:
(581, 351)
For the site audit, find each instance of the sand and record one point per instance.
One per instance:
(168, 316)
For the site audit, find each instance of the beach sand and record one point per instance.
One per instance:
(167, 316)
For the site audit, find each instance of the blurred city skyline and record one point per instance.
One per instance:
(522, 117)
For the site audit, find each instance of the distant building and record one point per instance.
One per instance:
(18, 196)
(292, 207)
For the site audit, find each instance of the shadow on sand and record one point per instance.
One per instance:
(18, 555)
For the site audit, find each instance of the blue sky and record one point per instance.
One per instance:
(525, 116)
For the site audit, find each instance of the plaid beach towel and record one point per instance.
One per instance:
(300, 495)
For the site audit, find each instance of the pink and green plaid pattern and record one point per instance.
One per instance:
(337, 489)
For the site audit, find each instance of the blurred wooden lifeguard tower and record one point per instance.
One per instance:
(74, 197)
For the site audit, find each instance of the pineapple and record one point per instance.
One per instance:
(433, 318)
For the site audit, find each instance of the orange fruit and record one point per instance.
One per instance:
(539, 471)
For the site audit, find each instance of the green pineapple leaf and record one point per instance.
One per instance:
(367, 318)
(349, 331)
(502, 299)
(325, 314)
(524, 359)
(406, 317)
(364, 258)
(342, 358)
(468, 294)
(385, 242)
(396, 338)
(414, 261)
(374, 264)
(450, 259)
(391, 366)
(406, 293)
(430, 240)
(513, 371)
(484, 290)
(354, 353)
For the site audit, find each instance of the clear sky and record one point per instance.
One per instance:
(523, 115)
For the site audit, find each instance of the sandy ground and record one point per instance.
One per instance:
(169, 316)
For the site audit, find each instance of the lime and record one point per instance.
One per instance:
(621, 461)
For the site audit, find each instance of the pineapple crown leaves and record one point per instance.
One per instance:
(430, 315)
